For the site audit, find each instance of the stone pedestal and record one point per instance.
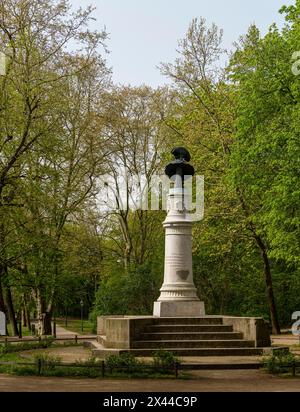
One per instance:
(178, 296)
(184, 309)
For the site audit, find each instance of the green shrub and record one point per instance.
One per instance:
(164, 360)
(124, 361)
(22, 346)
(124, 365)
(2, 349)
(52, 366)
(163, 363)
(279, 362)
(90, 368)
(47, 362)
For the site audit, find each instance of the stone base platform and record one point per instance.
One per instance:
(183, 336)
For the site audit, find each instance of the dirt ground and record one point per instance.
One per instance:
(203, 381)
(68, 354)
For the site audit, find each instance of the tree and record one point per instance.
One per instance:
(267, 147)
(265, 159)
(37, 125)
(132, 120)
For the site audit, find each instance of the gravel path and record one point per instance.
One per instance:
(68, 354)
(223, 381)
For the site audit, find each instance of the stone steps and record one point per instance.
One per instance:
(207, 352)
(188, 321)
(170, 336)
(203, 336)
(187, 328)
(193, 344)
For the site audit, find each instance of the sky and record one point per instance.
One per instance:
(144, 33)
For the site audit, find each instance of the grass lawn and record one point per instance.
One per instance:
(11, 357)
(74, 325)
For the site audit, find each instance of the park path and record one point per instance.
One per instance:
(61, 331)
(204, 381)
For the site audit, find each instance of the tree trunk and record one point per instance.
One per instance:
(269, 285)
(47, 327)
(11, 312)
(2, 304)
(27, 317)
(44, 316)
(25, 313)
(23, 317)
(267, 268)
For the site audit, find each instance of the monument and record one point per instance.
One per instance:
(2, 324)
(179, 323)
(178, 296)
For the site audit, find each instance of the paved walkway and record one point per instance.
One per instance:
(61, 333)
(223, 381)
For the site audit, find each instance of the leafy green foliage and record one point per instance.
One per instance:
(129, 293)
(20, 347)
(47, 362)
(265, 158)
(164, 360)
(124, 361)
(280, 362)
(126, 364)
